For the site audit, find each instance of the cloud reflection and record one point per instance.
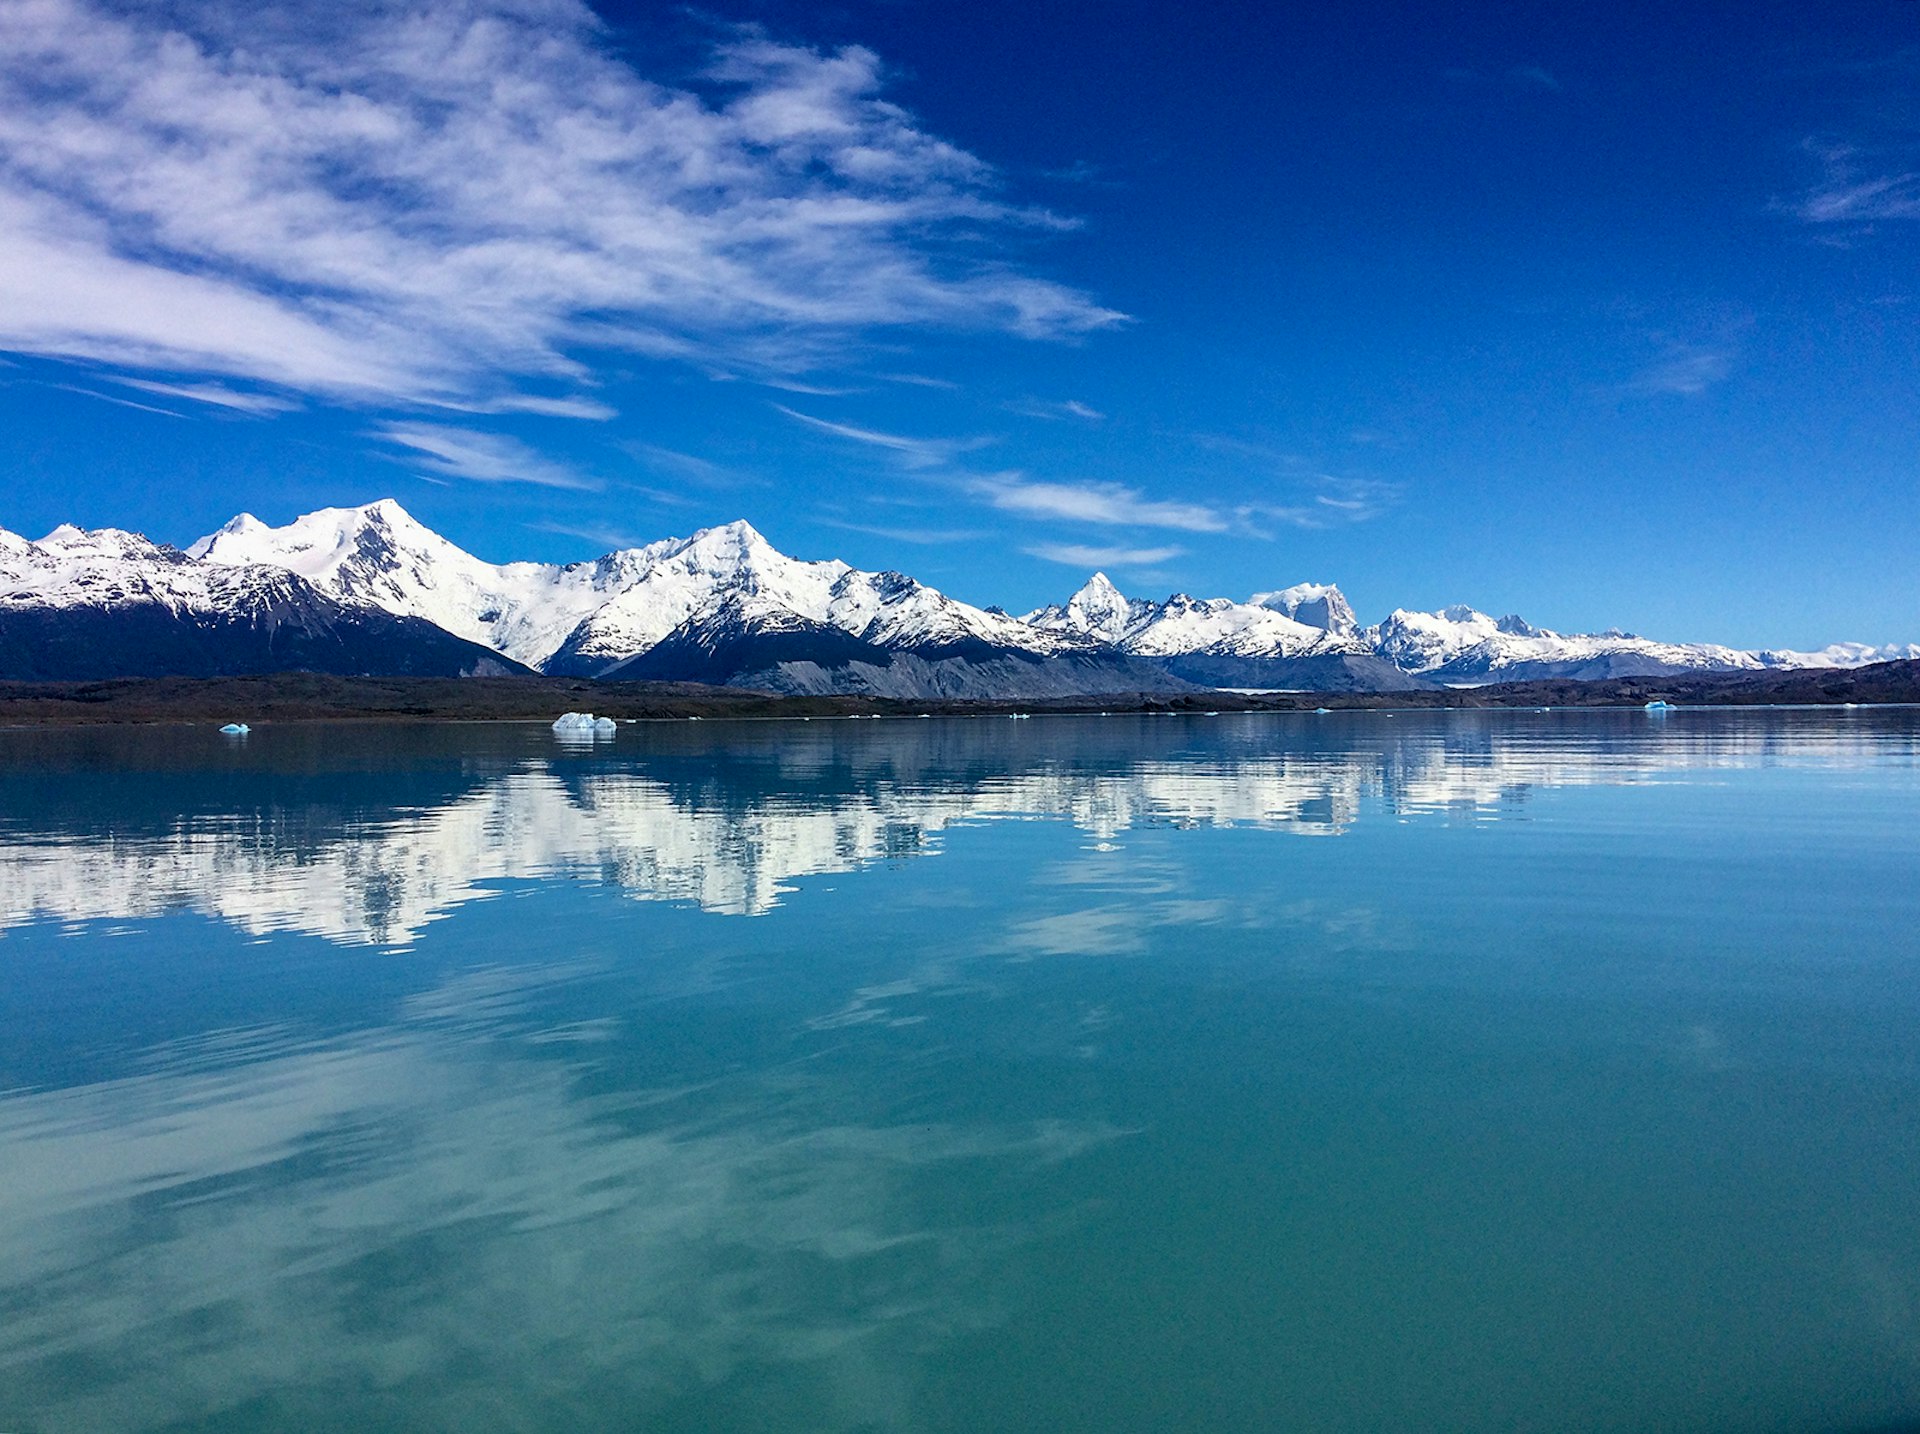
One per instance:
(318, 1235)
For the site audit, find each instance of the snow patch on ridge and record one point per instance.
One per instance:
(728, 583)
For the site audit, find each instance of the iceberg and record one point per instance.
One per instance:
(236, 729)
(1659, 705)
(583, 724)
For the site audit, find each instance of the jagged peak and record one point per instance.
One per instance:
(1320, 605)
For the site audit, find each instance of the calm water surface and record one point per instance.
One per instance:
(1353, 1072)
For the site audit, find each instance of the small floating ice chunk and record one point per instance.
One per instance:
(583, 724)
(236, 729)
(1319, 710)
(1659, 705)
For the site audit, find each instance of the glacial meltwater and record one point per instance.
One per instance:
(1321, 1072)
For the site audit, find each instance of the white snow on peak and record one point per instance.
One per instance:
(1462, 643)
(611, 608)
(601, 612)
(379, 554)
(1183, 624)
(1320, 605)
(1101, 610)
(1841, 654)
(76, 567)
(733, 575)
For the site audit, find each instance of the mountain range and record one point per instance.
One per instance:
(371, 590)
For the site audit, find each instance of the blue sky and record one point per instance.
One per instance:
(1605, 315)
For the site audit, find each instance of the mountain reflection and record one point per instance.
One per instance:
(366, 836)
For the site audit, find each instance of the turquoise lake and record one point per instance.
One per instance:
(1444, 1071)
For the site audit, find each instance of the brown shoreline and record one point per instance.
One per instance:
(307, 697)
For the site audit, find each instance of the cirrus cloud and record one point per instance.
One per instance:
(1080, 555)
(442, 202)
(1112, 504)
(479, 457)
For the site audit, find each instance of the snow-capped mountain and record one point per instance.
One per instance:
(730, 580)
(1302, 637)
(107, 603)
(379, 555)
(1183, 624)
(1320, 605)
(1307, 636)
(1459, 646)
(369, 589)
(722, 606)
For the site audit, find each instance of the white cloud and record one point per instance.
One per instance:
(688, 467)
(1684, 371)
(1849, 193)
(1105, 503)
(1316, 499)
(571, 406)
(431, 203)
(481, 457)
(914, 452)
(1075, 555)
(1056, 409)
(920, 536)
(217, 394)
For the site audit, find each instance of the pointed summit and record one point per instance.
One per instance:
(730, 548)
(1100, 609)
(240, 525)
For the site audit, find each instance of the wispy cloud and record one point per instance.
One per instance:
(689, 467)
(606, 539)
(217, 394)
(1854, 190)
(1307, 497)
(1533, 77)
(1077, 555)
(570, 406)
(1112, 504)
(1056, 410)
(914, 452)
(116, 400)
(436, 202)
(925, 537)
(479, 457)
(1685, 371)
(920, 380)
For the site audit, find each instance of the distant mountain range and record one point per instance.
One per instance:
(370, 590)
